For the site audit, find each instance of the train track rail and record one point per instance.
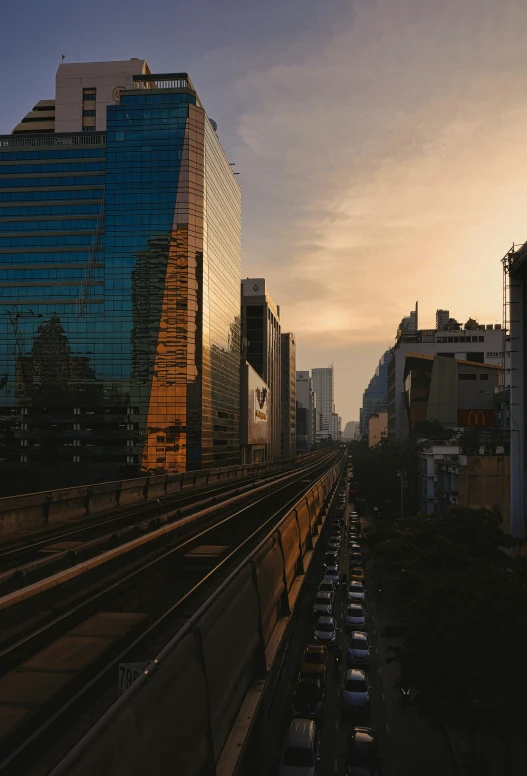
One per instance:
(24, 561)
(87, 631)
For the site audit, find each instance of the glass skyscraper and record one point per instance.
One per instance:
(119, 283)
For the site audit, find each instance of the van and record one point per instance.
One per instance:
(300, 756)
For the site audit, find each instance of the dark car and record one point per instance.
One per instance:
(331, 559)
(356, 560)
(309, 699)
(363, 757)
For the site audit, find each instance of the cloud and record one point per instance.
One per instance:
(385, 164)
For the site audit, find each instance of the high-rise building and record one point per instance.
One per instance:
(375, 397)
(119, 280)
(305, 412)
(261, 347)
(335, 427)
(288, 397)
(324, 391)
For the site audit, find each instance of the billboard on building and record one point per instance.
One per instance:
(258, 405)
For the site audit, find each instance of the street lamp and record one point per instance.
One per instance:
(400, 475)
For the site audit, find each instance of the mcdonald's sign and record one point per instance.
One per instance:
(475, 417)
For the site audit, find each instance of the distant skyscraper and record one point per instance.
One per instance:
(324, 391)
(119, 279)
(288, 398)
(305, 412)
(262, 347)
(375, 397)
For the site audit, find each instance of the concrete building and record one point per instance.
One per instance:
(323, 387)
(255, 425)
(83, 92)
(427, 461)
(351, 430)
(448, 391)
(474, 481)
(262, 349)
(470, 342)
(305, 412)
(336, 431)
(515, 287)
(377, 427)
(375, 397)
(288, 397)
(120, 259)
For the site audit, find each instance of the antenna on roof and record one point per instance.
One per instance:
(63, 58)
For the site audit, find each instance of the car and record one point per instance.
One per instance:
(363, 756)
(356, 560)
(354, 514)
(325, 630)
(356, 592)
(300, 754)
(309, 698)
(354, 547)
(323, 603)
(332, 572)
(356, 692)
(336, 533)
(314, 660)
(355, 616)
(357, 574)
(332, 545)
(331, 558)
(359, 648)
(327, 586)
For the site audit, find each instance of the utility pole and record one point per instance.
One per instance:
(400, 475)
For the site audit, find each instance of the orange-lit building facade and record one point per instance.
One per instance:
(120, 261)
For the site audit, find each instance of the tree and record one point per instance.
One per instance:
(460, 598)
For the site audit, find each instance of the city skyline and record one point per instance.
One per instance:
(278, 82)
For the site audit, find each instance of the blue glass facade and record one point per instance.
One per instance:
(120, 293)
(375, 396)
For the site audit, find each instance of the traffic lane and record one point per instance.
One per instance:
(333, 736)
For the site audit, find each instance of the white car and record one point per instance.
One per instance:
(300, 756)
(327, 586)
(325, 631)
(323, 603)
(356, 592)
(356, 692)
(359, 648)
(355, 617)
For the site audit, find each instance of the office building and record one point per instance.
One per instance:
(336, 432)
(288, 397)
(324, 390)
(375, 397)
(305, 412)
(469, 342)
(119, 280)
(262, 349)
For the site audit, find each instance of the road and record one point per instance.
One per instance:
(410, 747)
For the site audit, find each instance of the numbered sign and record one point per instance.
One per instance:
(128, 673)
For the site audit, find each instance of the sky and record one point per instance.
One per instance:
(381, 146)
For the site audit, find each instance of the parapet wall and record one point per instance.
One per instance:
(177, 716)
(33, 511)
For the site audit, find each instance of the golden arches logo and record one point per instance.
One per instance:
(476, 418)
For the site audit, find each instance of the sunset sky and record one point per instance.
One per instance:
(381, 145)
